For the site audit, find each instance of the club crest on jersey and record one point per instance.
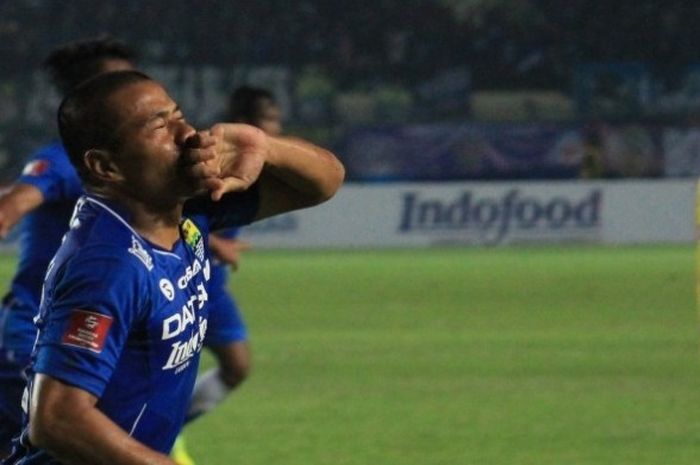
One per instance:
(35, 168)
(139, 252)
(193, 238)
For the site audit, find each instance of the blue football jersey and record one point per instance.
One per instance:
(125, 320)
(220, 271)
(50, 171)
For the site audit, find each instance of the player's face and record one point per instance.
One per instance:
(152, 133)
(270, 119)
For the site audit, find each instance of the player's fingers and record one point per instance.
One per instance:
(212, 183)
(202, 186)
(201, 139)
(216, 188)
(199, 155)
(216, 194)
(229, 185)
(234, 184)
(204, 170)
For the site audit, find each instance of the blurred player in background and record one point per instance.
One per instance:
(257, 107)
(227, 335)
(43, 197)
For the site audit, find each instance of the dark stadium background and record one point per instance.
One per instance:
(344, 70)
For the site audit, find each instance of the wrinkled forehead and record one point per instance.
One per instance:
(137, 102)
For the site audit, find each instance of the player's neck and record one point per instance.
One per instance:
(157, 222)
(157, 226)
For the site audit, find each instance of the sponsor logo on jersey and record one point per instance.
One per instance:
(35, 168)
(207, 270)
(87, 330)
(139, 252)
(178, 322)
(192, 271)
(182, 351)
(166, 287)
(193, 237)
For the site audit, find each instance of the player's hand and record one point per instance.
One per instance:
(241, 151)
(228, 251)
(15, 202)
(199, 161)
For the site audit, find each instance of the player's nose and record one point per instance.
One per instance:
(183, 132)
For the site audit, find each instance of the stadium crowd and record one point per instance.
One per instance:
(384, 61)
(509, 43)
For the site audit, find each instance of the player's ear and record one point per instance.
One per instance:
(101, 166)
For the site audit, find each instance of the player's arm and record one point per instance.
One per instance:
(18, 200)
(65, 421)
(297, 174)
(290, 173)
(227, 250)
(83, 330)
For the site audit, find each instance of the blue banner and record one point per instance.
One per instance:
(501, 151)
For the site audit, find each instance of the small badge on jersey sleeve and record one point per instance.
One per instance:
(35, 168)
(193, 237)
(87, 330)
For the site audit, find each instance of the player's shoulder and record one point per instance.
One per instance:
(48, 157)
(51, 151)
(101, 233)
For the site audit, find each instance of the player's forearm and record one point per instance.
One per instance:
(65, 422)
(309, 170)
(16, 202)
(89, 437)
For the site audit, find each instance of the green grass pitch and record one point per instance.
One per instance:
(511, 356)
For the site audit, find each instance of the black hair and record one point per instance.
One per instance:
(245, 104)
(73, 63)
(86, 120)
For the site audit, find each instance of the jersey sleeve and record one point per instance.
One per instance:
(51, 171)
(87, 319)
(234, 209)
